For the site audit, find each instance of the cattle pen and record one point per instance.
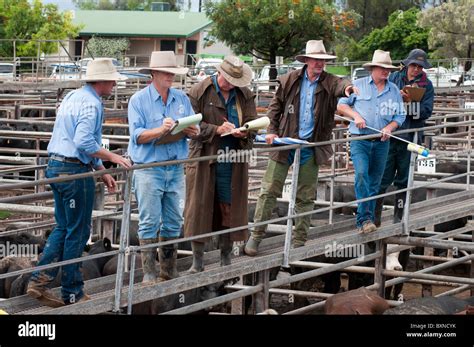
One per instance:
(449, 132)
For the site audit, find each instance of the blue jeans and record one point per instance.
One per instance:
(73, 203)
(369, 158)
(160, 196)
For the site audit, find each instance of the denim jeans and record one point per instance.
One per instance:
(369, 158)
(73, 203)
(160, 196)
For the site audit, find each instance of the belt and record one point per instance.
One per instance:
(374, 139)
(66, 159)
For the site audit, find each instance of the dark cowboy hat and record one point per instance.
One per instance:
(418, 57)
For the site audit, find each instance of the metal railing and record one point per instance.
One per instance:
(125, 250)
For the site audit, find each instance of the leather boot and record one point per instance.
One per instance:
(198, 257)
(148, 260)
(168, 257)
(225, 245)
(251, 247)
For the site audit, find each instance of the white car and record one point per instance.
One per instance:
(359, 72)
(6, 72)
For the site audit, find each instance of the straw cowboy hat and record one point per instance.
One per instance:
(315, 49)
(164, 61)
(102, 69)
(381, 59)
(235, 71)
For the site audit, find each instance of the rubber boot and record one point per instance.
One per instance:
(378, 212)
(225, 245)
(398, 207)
(148, 261)
(168, 257)
(198, 257)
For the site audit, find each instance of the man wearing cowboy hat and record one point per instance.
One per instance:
(75, 148)
(303, 108)
(159, 190)
(379, 105)
(398, 162)
(216, 192)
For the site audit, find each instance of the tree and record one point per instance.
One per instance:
(123, 5)
(399, 36)
(22, 20)
(375, 13)
(451, 28)
(266, 28)
(105, 47)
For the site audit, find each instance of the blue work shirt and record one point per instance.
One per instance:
(306, 118)
(306, 124)
(146, 110)
(377, 108)
(77, 130)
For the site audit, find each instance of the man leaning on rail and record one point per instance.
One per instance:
(398, 161)
(75, 148)
(159, 190)
(379, 106)
(303, 108)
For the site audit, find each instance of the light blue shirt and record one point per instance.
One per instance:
(77, 130)
(306, 119)
(377, 108)
(146, 110)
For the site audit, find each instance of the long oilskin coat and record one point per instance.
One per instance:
(200, 176)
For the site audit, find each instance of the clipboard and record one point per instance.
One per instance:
(415, 93)
(175, 133)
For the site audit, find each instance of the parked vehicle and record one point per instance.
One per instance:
(359, 72)
(7, 72)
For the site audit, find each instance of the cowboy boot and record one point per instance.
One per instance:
(225, 245)
(198, 257)
(148, 260)
(168, 257)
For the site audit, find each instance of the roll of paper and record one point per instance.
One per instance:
(413, 147)
(260, 123)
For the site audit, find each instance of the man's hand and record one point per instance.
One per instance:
(359, 121)
(270, 137)
(239, 134)
(109, 183)
(117, 159)
(351, 89)
(405, 96)
(166, 126)
(225, 128)
(191, 131)
(386, 132)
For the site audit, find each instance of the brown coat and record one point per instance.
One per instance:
(200, 176)
(283, 111)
